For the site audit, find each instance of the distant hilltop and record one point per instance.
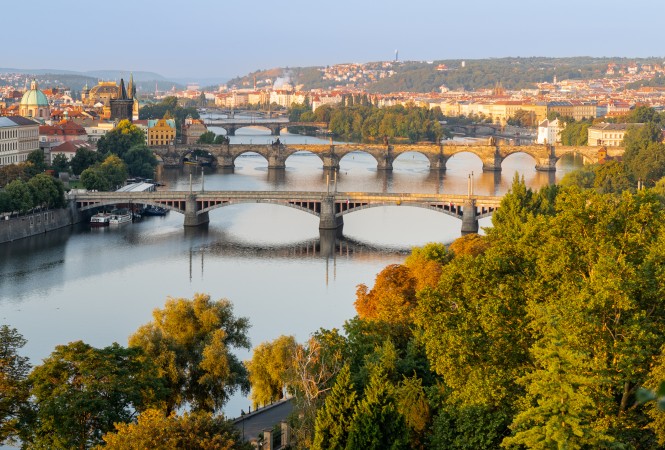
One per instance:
(454, 74)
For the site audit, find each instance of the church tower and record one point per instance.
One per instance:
(121, 107)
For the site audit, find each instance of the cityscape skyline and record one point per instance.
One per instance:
(210, 39)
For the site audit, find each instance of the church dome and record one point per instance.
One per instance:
(34, 97)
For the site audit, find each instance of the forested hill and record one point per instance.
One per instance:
(421, 76)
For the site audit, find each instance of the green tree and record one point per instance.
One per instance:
(36, 162)
(333, 419)
(94, 179)
(206, 138)
(645, 153)
(561, 411)
(60, 163)
(84, 159)
(190, 341)
(376, 422)
(141, 162)
(413, 405)
(81, 391)
(14, 370)
(271, 369)
(120, 139)
(221, 139)
(47, 192)
(193, 431)
(20, 195)
(612, 177)
(114, 170)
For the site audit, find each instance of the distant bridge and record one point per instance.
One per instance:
(330, 208)
(275, 126)
(492, 156)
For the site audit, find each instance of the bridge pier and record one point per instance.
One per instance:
(225, 162)
(330, 161)
(546, 165)
(230, 131)
(469, 217)
(328, 217)
(493, 163)
(385, 163)
(437, 162)
(192, 219)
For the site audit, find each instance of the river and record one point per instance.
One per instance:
(100, 285)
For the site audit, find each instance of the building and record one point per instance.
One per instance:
(68, 149)
(18, 137)
(609, 134)
(122, 107)
(34, 104)
(192, 130)
(161, 132)
(549, 132)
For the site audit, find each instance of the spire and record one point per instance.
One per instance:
(123, 92)
(131, 89)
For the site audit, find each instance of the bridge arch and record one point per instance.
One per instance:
(303, 152)
(344, 154)
(103, 204)
(431, 160)
(295, 205)
(452, 210)
(251, 152)
(576, 152)
(463, 151)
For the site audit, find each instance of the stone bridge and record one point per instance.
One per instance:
(492, 156)
(330, 208)
(275, 126)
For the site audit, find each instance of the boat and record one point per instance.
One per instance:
(120, 216)
(100, 219)
(151, 210)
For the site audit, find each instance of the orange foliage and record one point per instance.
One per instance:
(471, 244)
(392, 299)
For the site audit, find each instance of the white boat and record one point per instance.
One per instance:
(118, 217)
(100, 220)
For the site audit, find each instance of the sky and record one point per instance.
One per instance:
(223, 38)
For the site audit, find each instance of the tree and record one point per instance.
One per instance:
(47, 192)
(206, 138)
(13, 374)
(190, 341)
(645, 153)
(81, 391)
(333, 419)
(141, 162)
(392, 299)
(271, 369)
(84, 159)
(561, 411)
(193, 431)
(612, 177)
(413, 405)
(36, 162)
(120, 139)
(114, 170)
(472, 244)
(376, 423)
(20, 196)
(60, 163)
(94, 179)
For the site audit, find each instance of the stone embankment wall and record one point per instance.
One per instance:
(38, 223)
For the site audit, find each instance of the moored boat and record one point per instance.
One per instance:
(100, 220)
(120, 216)
(151, 210)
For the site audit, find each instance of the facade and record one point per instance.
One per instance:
(192, 130)
(18, 137)
(161, 132)
(609, 134)
(34, 104)
(68, 149)
(549, 132)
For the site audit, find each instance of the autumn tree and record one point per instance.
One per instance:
(391, 299)
(271, 369)
(120, 139)
(193, 431)
(191, 341)
(14, 370)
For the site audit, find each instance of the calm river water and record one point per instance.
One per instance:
(100, 285)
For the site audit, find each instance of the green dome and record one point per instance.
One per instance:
(34, 97)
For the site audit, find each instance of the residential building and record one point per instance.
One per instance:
(609, 134)
(192, 130)
(549, 132)
(161, 132)
(18, 137)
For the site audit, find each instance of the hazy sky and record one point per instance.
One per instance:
(222, 38)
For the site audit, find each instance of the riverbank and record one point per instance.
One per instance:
(22, 227)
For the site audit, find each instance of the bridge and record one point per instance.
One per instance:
(329, 207)
(492, 156)
(275, 126)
